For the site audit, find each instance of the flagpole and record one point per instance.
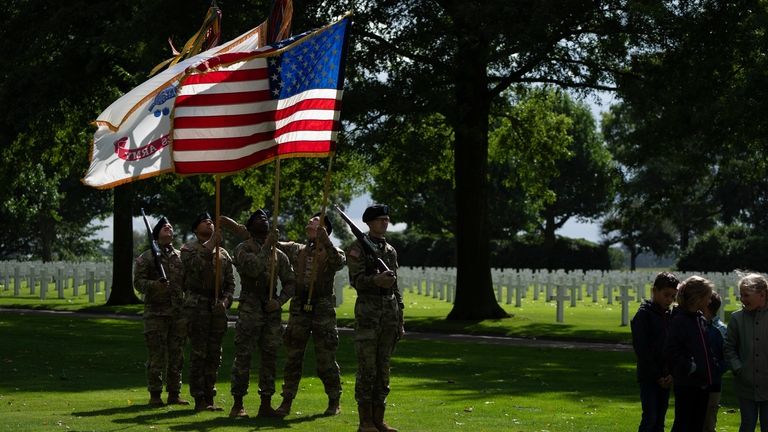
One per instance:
(313, 274)
(217, 238)
(273, 255)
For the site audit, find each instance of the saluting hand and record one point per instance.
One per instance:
(272, 237)
(322, 237)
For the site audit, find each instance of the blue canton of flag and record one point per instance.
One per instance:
(313, 63)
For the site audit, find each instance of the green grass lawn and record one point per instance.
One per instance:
(535, 319)
(72, 374)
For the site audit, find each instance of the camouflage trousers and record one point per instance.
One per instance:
(321, 325)
(165, 337)
(256, 329)
(206, 332)
(376, 333)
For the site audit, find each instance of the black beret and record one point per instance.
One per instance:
(328, 226)
(201, 217)
(158, 226)
(374, 211)
(257, 213)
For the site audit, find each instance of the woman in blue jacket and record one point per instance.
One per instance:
(688, 355)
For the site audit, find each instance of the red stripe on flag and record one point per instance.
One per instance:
(222, 98)
(253, 118)
(216, 77)
(299, 148)
(227, 58)
(200, 144)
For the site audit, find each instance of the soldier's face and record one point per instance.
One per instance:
(259, 225)
(311, 228)
(204, 228)
(165, 237)
(378, 226)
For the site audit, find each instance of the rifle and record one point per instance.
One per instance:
(156, 254)
(368, 246)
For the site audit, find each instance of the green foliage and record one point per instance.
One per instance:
(689, 129)
(727, 248)
(420, 250)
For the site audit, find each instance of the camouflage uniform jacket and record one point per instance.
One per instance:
(329, 261)
(362, 268)
(159, 300)
(252, 262)
(200, 273)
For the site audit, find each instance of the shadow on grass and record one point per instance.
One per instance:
(250, 423)
(142, 413)
(546, 331)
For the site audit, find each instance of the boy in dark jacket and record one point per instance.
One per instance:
(649, 330)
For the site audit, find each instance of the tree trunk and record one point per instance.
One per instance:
(475, 299)
(549, 238)
(47, 237)
(122, 260)
(633, 254)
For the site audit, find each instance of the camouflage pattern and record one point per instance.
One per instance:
(257, 328)
(320, 323)
(165, 329)
(378, 317)
(207, 320)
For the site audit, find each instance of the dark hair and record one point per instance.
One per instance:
(692, 289)
(714, 303)
(665, 280)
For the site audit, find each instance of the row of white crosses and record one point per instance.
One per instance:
(513, 285)
(97, 278)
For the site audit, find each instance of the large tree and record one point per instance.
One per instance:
(690, 130)
(455, 58)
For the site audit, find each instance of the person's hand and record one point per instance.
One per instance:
(322, 237)
(385, 279)
(665, 382)
(272, 305)
(272, 237)
(162, 284)
(220, 306)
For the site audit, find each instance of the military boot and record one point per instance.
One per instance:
(200, 403)
(378, 418)
(285, 407)
(265, 409)
(366, 418)
(155, 400)
(174, 399)
(211, 405)
(237, 408)
(333, 407)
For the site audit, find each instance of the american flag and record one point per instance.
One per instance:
(243, 109)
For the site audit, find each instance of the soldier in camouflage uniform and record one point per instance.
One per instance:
(320, 320)
(258, 324)
(165, 329)
(205, 310)
(378, 319)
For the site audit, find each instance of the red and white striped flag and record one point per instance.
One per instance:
(239, 110)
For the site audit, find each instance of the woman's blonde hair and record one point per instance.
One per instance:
(693, 289)
(753, 282)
